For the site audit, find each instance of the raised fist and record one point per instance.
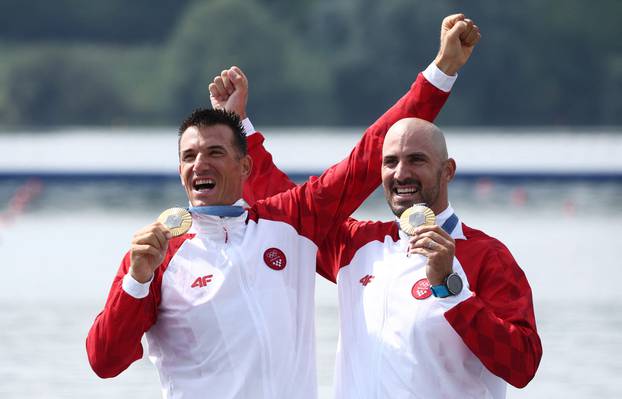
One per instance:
(229, 91)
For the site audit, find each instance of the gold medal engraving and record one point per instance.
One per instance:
(416, 216)
(178, 220)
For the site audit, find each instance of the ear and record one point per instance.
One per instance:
(450, 170)
(247, 166)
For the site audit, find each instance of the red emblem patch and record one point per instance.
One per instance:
(275, 259)
(421, 289)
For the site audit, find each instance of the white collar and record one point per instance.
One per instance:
(239, 202)
(205, 223)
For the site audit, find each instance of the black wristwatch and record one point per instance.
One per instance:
(452, 286)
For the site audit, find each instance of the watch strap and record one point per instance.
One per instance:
(440, 291)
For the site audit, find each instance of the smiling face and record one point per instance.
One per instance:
(415, 167)
(211, 168)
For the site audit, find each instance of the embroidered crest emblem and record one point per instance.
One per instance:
(275, 259)
(421, 289)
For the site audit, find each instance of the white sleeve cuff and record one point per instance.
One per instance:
(134, 288)
(248, 127)
(452, 300)
(438, 78)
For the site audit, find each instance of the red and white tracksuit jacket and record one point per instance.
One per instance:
(393, 345)
(230, 311)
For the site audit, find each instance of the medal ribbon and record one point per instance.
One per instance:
(450, 223)
(218, 210)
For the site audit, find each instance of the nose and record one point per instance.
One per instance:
(402, 172)
(200, 163)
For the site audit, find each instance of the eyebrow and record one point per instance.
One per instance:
(211, 147)
(217, 147)
(418, 154)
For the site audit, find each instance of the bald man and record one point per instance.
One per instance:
(397, 338)
(445, 313)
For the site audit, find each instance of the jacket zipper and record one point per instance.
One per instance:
(259, 322)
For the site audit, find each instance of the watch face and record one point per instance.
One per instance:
(454, 284)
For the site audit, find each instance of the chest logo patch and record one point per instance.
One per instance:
(202, 281)
(366, 279)
(421, 289)
(275, 259)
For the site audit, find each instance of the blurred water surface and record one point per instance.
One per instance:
(58, 260)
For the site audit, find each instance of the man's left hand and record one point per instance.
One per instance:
(438, 246)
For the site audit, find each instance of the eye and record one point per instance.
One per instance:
(188, 157)
(417, 159)
(216, 153)
(389, 162)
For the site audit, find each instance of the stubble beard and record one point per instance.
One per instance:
(428, 197)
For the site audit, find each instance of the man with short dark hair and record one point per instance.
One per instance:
(228, 307)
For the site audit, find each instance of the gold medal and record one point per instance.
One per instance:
(416, 216)
(178, 220)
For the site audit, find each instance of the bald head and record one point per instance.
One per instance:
(419, 131)
(415, 166)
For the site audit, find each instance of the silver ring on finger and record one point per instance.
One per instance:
(430, 244)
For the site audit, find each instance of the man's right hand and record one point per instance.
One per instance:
(459, 35)
(229, 91)
(149, 246)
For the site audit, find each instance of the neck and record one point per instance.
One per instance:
(440, 205)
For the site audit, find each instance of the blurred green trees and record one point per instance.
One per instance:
(317, 62)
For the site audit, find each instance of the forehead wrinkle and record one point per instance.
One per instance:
(422, 136)
(228, 143)
(428, 138)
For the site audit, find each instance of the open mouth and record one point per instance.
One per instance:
(203, 185)
(405, 191)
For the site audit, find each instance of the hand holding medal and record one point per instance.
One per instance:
(149, 244)
(429, 240)
(177, 220)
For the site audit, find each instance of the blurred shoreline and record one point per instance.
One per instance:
(311, 150)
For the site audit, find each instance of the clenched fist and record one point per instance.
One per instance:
(439, 247)
(147, 252)
(459, 35)
(229, 91)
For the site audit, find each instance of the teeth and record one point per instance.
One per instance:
(406, 190)
(204, 181)
(204, 184)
